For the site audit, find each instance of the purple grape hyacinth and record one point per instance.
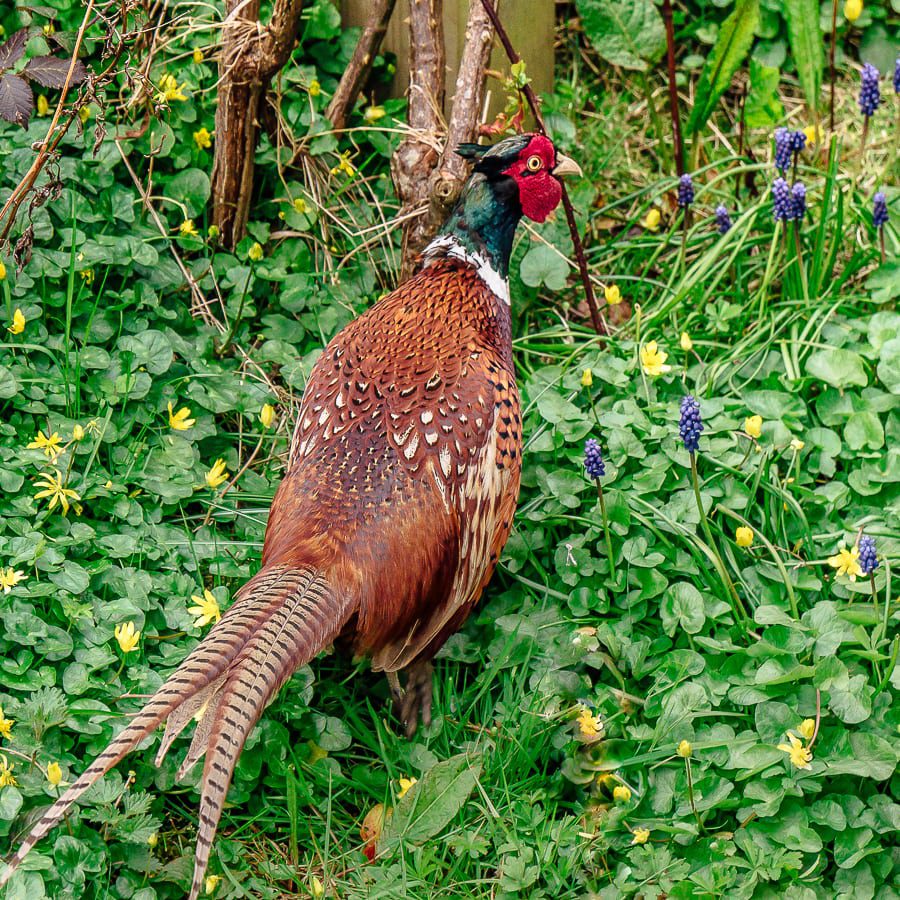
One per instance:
(723, 220)
(593, 459)
(879, 210)
(869, 92)
(798, 141)
(691, 424)
(782, 203)
(868, 558)
(798, 201)
(685, 191)
(784, 149)
(897, 76)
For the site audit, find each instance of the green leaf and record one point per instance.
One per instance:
(732, 45)
(837, 367)
(889, 365)
(864, 754)
(431, 803)
(807, 47)
(544, 265)
(627, 33)
(682, 607)
(763, 108)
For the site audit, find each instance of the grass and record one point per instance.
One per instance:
(651, 643)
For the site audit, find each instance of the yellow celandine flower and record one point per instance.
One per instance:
(54, 773)
(651, 222)
(621, 793)
(686, 343)
(314, 88)
(587, 378)
(743, 537)
(153, 840)
(87, 276)
(344, 165)
(9, 578)
(84, 114)
(813, 135)
(797, 445)
(206, 609)
(7, 779)
(846, 562)
(612, 294)
(187, 228)
(18, 322)
(807, 729)
(405, 785)
(127, 636)
(853, 10)
(299, 205)
(212, 882)
(77, 433)
(374, 113)
(57, 492)
(203, 138)
(316, 888)
(169, 90)
(2, 271)
(217, 474)
(212, 232)
(267, 415)
(48, 29)
(640, 835)
(653, 360)
(50, 445)
(684, 749)
(197, 55)
(6, 725)
(180, 421)
(43, 107)
(753, 426)
(588, 724)
(799, 754)
(256, 252)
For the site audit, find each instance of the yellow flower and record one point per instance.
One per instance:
(640, 835)
(405, 785)
(48, 29)
(203, 138)
(50, 445)
(87, 276)
(299, 205)
(797, 445)
(18, 323)
(612, 294)
(686, 343)
(84, 114)
(684, 749)
(212, 882)
(344, 165)
(589, 725)
(807, 729)
(587, 378)
(77, 433)
(54, 773)
(217, 474)
(9, 578)
(653, 359)
(181, 421)
(197, 55)
(846, 562)
(267, 415)
(314, 88)
(206, 609)
(853, 10)
(374, 113)
(753, 426)
(651, 222)
(6, 725)
(621, 794)
(813, 135)
(800, 755)
(127, 636)
(256, 252)
(169, 90)
(187, 228)
(153, 840)
(53, 488)
(212, 232)
(743, 537)
(43, 107)
(6, 776)
(316, 888)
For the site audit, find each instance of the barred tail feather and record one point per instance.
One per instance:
(202, 678)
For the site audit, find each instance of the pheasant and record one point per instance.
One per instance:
(398, 497)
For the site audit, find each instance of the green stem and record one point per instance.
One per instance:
(609, 547)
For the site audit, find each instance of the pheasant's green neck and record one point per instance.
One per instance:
(484, 220)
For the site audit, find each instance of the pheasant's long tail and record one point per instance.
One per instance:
(279, 621)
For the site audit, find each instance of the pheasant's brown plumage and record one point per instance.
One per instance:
(398, 498)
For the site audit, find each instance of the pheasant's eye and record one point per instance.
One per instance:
(534, 163)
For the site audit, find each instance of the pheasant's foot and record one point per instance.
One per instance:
(413, 702)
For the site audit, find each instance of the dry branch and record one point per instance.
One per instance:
(356, 73)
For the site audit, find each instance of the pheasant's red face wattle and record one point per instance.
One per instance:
(539, 189)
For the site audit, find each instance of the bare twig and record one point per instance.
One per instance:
(673, 89)
(530, 96)
(357, 71)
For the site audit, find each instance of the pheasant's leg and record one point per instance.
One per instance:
(414, 701)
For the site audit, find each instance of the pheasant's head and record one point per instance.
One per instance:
(528, 164)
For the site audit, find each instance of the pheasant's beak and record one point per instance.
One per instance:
(566, 166)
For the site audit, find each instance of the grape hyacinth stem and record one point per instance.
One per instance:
(606, 534)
